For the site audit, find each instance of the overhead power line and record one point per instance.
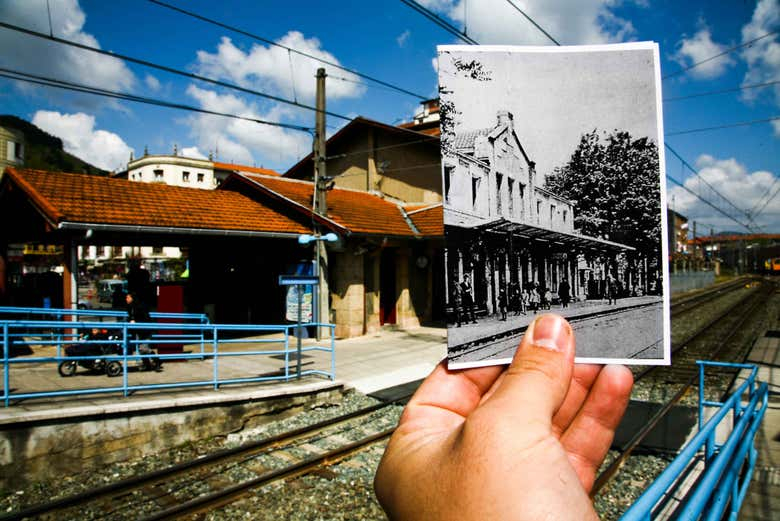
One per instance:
(724, 91)
(165, 68)
(289, 49)
(553, 40)
(720, 127)
(441, 22)
(76, 87)
(732, 213)
(724, 53)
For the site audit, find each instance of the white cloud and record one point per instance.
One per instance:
(729, 177)
(152, 82)
(698, 48)
(31, 54)
(243, 141)
(103, 149)
(403, 38)
(269, 69)
(568, 21)
(193, 152)
(763, 57)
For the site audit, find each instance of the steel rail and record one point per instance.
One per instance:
(692, 301)
(694, 336)
(155, 476)
(229, 494)
(612, 469)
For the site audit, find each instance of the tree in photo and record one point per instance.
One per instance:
(614, 182)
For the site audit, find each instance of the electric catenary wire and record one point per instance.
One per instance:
(268, 41)
(720, 127)
(76, 87)
(430, 15)
(165, 68)
(723, 91)
(553, 40)
(719, 55)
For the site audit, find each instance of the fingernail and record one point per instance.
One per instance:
(550, 332)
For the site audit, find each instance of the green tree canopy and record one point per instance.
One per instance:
(614, 182)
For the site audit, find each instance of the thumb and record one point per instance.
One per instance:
(535, 384)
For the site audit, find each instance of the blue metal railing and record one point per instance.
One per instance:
(58, 314)
(728, 467)
(125, 336)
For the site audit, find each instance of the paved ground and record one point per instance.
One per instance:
(591, 334)
(368, 363)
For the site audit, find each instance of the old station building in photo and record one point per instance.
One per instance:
(504, 229)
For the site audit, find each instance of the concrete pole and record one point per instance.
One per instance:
(320, 203)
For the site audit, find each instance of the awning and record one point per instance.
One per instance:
(527, 231)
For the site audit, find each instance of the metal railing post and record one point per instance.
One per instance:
(215, 351)
(125, 334)
(287, 354)
(332, 354)
(6, 353)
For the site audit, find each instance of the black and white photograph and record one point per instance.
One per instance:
(554, 185)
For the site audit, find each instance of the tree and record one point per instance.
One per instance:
(614, 182)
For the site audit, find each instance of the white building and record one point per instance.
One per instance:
(175, 170)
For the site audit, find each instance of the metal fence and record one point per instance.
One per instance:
(728, 467)
(691, 280)
(60, 314)
(209, 342)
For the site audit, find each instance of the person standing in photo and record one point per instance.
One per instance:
(467, 299)
(563, 293)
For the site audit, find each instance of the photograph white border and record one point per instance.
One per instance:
(666, 319)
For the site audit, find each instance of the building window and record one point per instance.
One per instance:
(157, 250)
(116, 251)
(538, 212)
(185, 177)
(564, 217)
(448, 170)
(499, 179)
(474, 191)
(158, 175)
(552, 214)
(15, 151)
(510, 186)
(200, 177)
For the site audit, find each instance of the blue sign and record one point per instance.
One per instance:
(298, 280)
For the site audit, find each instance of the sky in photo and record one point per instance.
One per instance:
(720, 116)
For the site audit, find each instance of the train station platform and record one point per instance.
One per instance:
(368, 363)
(763, 498)
(493, 325)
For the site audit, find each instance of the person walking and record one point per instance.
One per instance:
(137, 312)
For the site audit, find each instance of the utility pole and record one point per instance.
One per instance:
(320, 205)
(320, 202)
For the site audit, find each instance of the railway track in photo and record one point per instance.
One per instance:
(215, 481)
(665, 390)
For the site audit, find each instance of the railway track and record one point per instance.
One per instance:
(724, 337)
(210, 482)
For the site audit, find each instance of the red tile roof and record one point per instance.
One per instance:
(429, 219)
(80, 198)
(356, 211)
(243, 168)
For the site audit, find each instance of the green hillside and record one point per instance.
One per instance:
(44, 152)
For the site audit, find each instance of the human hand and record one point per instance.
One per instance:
(517, 442)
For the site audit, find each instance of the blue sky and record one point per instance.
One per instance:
(387, 40)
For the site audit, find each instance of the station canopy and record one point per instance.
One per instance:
(574, 240)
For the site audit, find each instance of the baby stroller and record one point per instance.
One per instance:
(92, 348)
